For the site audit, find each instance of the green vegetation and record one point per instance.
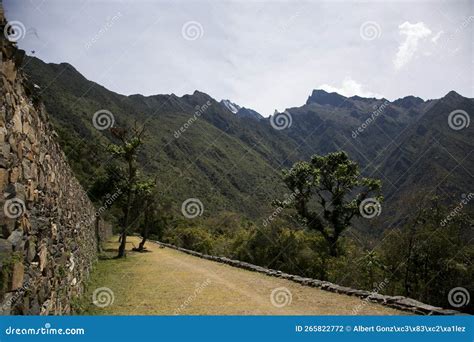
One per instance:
(328, 180)
(420, 260)
(426, 259)
(232, 165)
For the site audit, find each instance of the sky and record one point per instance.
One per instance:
(264, 55)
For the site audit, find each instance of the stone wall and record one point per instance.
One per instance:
(49, 228)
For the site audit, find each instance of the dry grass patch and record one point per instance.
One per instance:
(166, 282)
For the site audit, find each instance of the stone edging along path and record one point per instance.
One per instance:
(396, 302)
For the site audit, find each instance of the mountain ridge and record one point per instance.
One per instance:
(233, 161)
(318, 91)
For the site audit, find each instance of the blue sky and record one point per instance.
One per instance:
(264, 55)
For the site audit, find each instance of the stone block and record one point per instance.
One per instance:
(26, 166)
(43, 257)
(18, 273)
(8, 227)
(16, 238)
(15, 174)
(30, 249)
(3, 178)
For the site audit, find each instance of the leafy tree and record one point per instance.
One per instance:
(327, 193)
(129, 142)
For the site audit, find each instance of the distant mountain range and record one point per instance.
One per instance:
(229, 156)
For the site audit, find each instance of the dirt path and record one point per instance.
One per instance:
(166, 282)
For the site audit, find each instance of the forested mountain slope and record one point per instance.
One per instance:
(198, 148)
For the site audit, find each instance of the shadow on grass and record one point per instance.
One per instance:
(144, 250)
(103, 257)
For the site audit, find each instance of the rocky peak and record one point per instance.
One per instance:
(322, 97)
(408, 102)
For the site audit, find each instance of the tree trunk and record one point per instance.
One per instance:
(406, 284)
(123, 234)
(141, 246)
(123, 242)
(97, 235)
(333, 248)
(123, 237)
(146, 225)
(332, 242)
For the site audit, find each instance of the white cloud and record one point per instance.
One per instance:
(350, 88)
(414, 33)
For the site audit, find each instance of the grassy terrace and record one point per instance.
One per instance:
(164, 281)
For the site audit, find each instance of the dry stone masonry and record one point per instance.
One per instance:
(49, 227)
